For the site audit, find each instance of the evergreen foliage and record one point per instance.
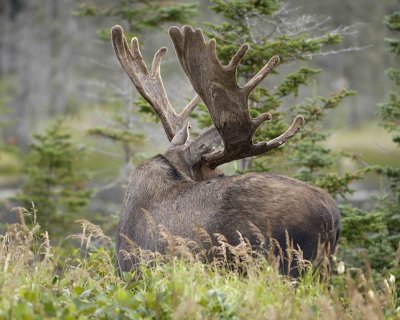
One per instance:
(389, 112)
(55, 180)
(366, 236)
(376, 234)
(36, 283)
(311, 158)
(121, 132)
(138, 15)
(306, 154)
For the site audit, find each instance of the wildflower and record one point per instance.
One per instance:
(386, 283)
(392, 279)
(371, 294)
(340, 267)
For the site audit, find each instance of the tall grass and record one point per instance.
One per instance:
(39, 281)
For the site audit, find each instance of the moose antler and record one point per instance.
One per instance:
(149, 84)
(227, 102)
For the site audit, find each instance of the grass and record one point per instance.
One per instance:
(10, 167)
(370, 140)
(38, 281)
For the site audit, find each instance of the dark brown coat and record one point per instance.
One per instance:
(274, 204)
(184, 189)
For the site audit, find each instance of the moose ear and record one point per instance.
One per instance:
(182, 136)
(206, 143)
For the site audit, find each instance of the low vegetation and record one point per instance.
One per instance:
(39, 281)
(78, 279)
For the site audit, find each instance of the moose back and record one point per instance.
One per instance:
(184, 190)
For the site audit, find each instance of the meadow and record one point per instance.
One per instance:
(72, 127)
(39, 281)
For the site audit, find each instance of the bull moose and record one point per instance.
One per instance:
(183, 188)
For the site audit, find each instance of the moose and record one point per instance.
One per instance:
(183, 189)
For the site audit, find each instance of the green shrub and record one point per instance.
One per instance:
(54, 180)
(39, 281)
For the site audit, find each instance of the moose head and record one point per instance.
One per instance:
(184, 189)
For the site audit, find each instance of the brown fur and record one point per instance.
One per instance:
(165, 188)
(184, 190)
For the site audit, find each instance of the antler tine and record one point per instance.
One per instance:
(260, 76)
(150, 85)
(227, 103)
(295, 127)
(220, 157)
(155, 68)
(237, 57)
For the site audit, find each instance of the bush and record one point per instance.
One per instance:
(54, 179)
(40, 281)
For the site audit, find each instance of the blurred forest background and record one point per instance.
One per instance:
(66, 103)
(72, 127)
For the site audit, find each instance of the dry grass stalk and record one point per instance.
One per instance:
(90, 231)
(23, 249)
(216, 249)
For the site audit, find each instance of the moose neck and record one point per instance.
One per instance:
(179, 158)
(153, 179)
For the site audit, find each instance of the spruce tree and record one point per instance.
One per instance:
(136, 17)
(389, 112)
(55, 180)
(375, 234)
(306, 156)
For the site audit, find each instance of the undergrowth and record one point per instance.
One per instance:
(39, 281)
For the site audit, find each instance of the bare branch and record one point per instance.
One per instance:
(326, 53)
